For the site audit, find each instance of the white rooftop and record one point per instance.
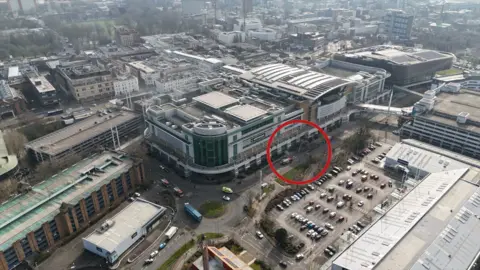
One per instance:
(424, 159)
(371, 247)
(245, 112)
(125, 224)
(457, 246)
(216, 100)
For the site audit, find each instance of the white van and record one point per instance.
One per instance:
(340, 204)
(333, 214)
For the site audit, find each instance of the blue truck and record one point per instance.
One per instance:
(193, 212)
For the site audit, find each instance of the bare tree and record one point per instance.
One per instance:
(7, 187)
(15, 142)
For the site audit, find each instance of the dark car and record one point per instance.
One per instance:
(341, 219)
(328, 253)
(283, 264)
(366, 189)
(383, 185)
(329, 199)
(303, 227)
(369, 195)
(332, 249)
(359, 190)
(325, 210)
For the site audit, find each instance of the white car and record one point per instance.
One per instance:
(226, 198)
(360, 203)
(259, 234)
(153, 254)
(299, 256)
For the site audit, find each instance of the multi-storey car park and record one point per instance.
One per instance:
(407, 65)
(448, 120)
(226, 129)
(40, 218)
(432, 226)
(86, 136)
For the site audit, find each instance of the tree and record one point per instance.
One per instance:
(15, 142)
(281, 235)
(358, 141)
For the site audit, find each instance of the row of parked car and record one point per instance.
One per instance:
(315, 232)
(296, 197)
(357, 227)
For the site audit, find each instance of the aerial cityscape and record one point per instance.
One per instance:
(239, 134)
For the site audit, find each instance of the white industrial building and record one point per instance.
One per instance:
(125, 84)
(119, 233)
(229, 38)
(264, 34)
(434, 226)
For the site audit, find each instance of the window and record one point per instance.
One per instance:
(133, 235)
(234, 137)
(99, 249)
(235, 150)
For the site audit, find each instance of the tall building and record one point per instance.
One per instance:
(104, 130)
(61, 206)
(398, 24)
(125, 36)
(85, 81)
(44, 91)
(25, 6)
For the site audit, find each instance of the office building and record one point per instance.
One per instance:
(124, 35)
(123, 84)
(146, 75)
(177, 79)
(434, 225)
(447, 120)
(104, 130)
(45, 93)
(60, 207)
(85, 81)
(117, 234)
(397, 24)
(12, 103)
(406, 65)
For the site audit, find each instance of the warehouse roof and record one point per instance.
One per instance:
(457, 246)
(69, 136)
(216, 100)
(124, 224)
(371, 247)
(28, 211)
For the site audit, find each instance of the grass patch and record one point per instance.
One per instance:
(282, 183)
(256, 266)
(297, 172)
(234, 247)
(209, 236)
(212, 209)
(449, 72)
(269, 188)
(168, 263)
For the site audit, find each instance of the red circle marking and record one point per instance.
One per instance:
(329, 152)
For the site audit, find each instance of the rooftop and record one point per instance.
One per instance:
(28, 211)
(83, 70)
(41, 84)
(6, 92)
(245, 112)
(425, 159)
(397, 54)
(370, 248)
(216, 100)
(142, 67)
(225, 256)
(457, 245)
(453, 104)
(297, 81)
(124, 224)
(69, 136)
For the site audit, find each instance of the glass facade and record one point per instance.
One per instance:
(210, 151)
